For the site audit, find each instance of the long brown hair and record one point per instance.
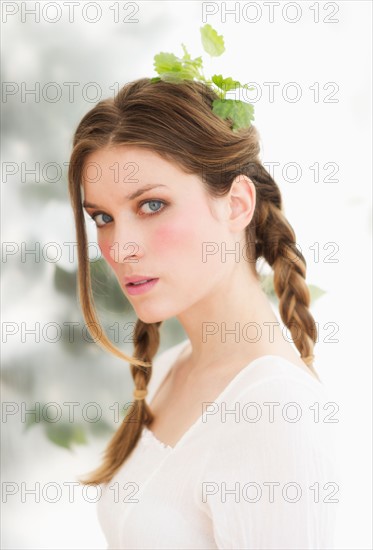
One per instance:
(176, 121)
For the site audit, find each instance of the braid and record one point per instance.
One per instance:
(122, 443)
(146, 340)
(276, 242)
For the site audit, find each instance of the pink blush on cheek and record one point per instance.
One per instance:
(108, 252)
(168, 236)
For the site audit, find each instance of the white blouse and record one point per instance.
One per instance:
(257, 470)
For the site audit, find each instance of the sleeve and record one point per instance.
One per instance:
(271, 480)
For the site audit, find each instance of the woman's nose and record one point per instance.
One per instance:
(127, 249)
(124, 252)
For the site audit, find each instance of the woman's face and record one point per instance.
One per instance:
(162, 233)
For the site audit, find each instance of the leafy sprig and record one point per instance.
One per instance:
(171, 68)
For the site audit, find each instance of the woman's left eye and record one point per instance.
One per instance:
(153, 206)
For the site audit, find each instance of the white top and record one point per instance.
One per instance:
(256, 471)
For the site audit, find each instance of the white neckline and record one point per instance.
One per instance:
(217, 400)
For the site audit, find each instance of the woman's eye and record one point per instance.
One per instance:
(153, 206)
(104, 218)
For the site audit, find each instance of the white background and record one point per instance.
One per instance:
(302, 132)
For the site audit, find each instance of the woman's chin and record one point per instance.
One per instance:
(152, 311)
(151, 317)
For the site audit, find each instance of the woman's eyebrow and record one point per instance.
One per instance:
(130, 197)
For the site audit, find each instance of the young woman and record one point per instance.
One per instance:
(222, 447)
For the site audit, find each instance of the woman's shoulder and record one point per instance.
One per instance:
(274, 373)
(273, 406)
(275, 383)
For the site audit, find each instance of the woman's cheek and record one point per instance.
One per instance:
(108, 252)
(170, 236)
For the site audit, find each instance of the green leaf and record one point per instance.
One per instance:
(176, 76)
(64, 435)
(228, 83)
(212, 42)
(247, 87)
(101, 427)
(64, 281)
(240, 113)
(172, 68)
(196, 63)
(186, 54)
(225, 84)
(78, 435)
(166, 62)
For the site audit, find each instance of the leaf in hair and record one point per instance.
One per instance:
(240, 113)
(228, 83)
(212, 42)
(174, 69)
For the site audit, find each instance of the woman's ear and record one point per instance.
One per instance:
(241, 200)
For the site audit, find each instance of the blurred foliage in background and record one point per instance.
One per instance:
(41, 294)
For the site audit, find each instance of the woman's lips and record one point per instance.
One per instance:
(134, 289)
